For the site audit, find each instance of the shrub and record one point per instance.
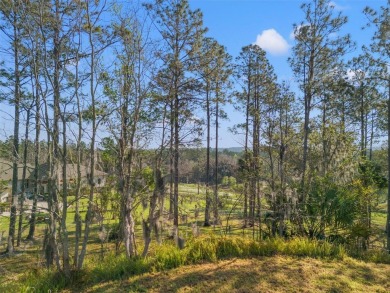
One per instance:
(203, 248)
(46, 280)
(312, 248)
(231, 247)
(115, 267)
(375, 255)
(114, 232)
(167, 256)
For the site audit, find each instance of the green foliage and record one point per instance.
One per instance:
(229, 181)
(312, 248)
(329, 205)
(109, 153)
(115, 267)
(44, 280)
(4, 206)
(166, 257)
(212, 248)
(147, 175)
(202, 249)
(373, 255)
(230, 247)
(114, 232)
(3, 185)
(376, 256)
(371, 174)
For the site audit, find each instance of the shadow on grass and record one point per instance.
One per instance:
(255, 276)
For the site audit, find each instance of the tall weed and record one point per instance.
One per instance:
(115, 267)
(166, 257)
(46, 280)
(200, 249)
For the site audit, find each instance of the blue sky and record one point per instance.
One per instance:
(237, 23)
(269, 23)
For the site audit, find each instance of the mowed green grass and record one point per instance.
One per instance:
(266, 274)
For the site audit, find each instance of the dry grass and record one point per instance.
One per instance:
(269, 274)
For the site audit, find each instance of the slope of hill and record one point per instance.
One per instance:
(267, 274)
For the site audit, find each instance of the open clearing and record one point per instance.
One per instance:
(268, 274)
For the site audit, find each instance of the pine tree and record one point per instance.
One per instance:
(380, 49)
(318, 47)
(258, 78)
(182, 31)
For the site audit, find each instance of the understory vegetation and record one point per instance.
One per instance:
(204, 249)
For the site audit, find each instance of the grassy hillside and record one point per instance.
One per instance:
(214, 264)
(266, 274)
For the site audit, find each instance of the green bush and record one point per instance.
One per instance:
(201, 249)
(115, 267)
(375, 255)
(268, 247)
(114, 232)
(167, 256)
(212, 248)
(45, 280)
(312, 248)
(231, 247)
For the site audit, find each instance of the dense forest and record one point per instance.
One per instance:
(135, 94)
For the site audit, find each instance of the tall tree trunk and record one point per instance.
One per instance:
(176, 162)
(388, 168)
(128, 220)
(246, 163)
(53, 241)
(371, 135)
(37, 147)
(64, 230)
(308, 96)
(77, 215)
(171, 159)
(282, 152)
(91, 177)
(50, 233)
(305, 148)
(129, 129)
(153, 216)
(216, 199)
(256, 151)
(208, 199)
(325, 148)
(129, 223)
(24, 174)
(362, 123)
(15, 150)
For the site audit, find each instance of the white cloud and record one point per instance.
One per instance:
(350, 74)
(271, 41)
(337, 7)
(356, 74)
(292, 35)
